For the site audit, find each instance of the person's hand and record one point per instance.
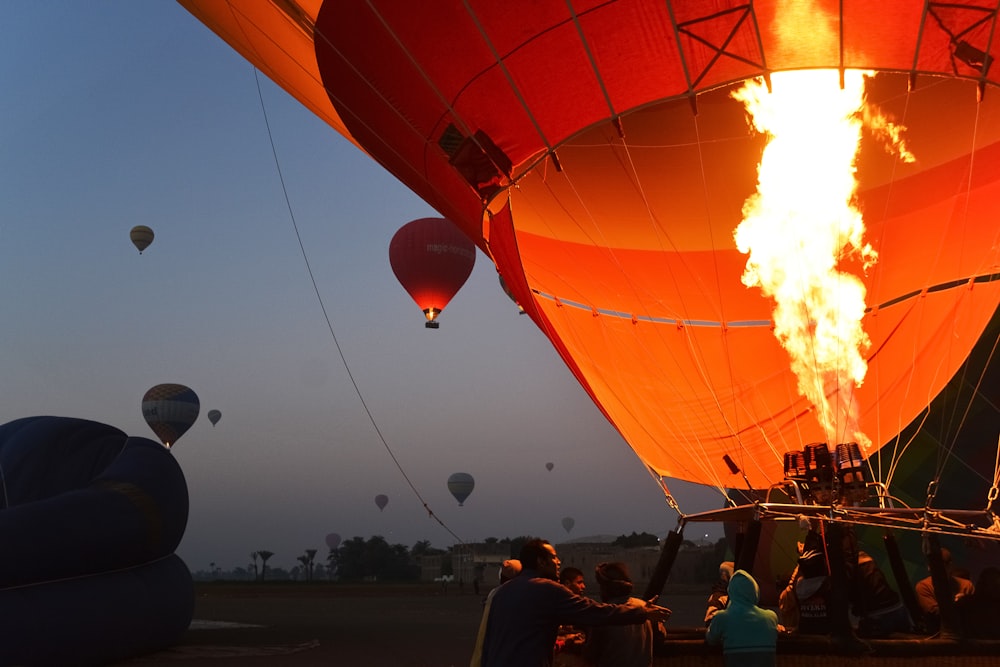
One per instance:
(656, 613)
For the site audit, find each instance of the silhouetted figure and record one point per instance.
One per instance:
(570, 638)
(718, 598)
(572, 578)
(621, 645)
(526, 612)
(981, 613)
(878, 608)
(804, 602)
(927, 597)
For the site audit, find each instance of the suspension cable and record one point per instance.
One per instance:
(329, 322)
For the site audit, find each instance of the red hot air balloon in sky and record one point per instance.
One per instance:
(432, 259)
(333, 541)
(381, 500)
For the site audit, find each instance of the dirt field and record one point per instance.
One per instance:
(329, 625)
(302, 625)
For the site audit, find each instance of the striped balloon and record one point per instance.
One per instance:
(170, 410)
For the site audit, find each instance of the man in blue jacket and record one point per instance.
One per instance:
(526, 612)
(748, 634)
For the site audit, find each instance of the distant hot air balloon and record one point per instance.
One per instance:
(333, 541)
(381, 500)
(214, 416)
(568, 523)
(461, 484)
(170, 410)
(141, 236)
(549, 466)
(432, 259)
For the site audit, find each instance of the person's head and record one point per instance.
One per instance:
(743, 589)
(572, 578)
(509, 569)
(726, 570)
(537, 554)
(812, 564)
(613, 580)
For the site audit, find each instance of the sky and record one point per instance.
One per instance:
(118, 113)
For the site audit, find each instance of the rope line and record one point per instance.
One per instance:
(329, 322)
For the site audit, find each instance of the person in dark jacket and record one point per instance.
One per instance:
(526, 612)
(748, 633)
(719, 596)
(618, 645)
(878, 608)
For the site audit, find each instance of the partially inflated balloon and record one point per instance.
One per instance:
(214, 416)
(170, 410)
(461, 484)
(141, 236)
(333, 541)
(432, 259)
(381, 500)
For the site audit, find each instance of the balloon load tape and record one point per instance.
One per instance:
(824, 476)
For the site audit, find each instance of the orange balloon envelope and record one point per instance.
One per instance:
(595, 154)
(432, 259)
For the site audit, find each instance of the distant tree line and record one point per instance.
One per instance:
(374, 559)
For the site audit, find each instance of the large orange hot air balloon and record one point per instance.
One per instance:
(595, 154)
(432, 259)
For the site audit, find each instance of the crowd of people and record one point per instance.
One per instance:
(523, 616)
(540, 615)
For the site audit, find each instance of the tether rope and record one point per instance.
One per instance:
(329, 322)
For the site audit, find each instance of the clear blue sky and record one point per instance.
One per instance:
(118, 113)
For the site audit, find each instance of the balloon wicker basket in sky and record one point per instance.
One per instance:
(743, 231)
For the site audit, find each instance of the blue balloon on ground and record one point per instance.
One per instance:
(89, 522)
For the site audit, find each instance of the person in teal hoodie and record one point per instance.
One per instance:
(748, 634)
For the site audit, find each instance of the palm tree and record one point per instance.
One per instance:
(311, 555)
(304, 559)
(253, 555)
(264, 555)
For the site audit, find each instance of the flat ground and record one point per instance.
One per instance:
(375, 625)
(378, 625)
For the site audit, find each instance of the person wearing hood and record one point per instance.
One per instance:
(748, 633)
(618, 645)
(526, 612)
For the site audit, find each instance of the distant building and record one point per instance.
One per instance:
(481, 561)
